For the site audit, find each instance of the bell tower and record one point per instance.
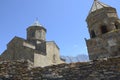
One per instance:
(36, 32)
(104, 29)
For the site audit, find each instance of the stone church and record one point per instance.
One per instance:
(104, 29)
(35, 48)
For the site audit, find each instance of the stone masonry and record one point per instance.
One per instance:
(104, 29)
(35, 48)
(38, 59)
(106, 69)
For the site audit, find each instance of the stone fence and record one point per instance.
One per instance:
(108, 69)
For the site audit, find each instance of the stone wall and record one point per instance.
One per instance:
(107, 69)
(46, 54)
(104, 46)
(16, 50)
(51, 58)
(41, 60)
(53, 53)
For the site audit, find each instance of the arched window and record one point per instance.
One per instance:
(104, 29)
(32, 34)
(116, 26)
(93, 34)
(54, 58)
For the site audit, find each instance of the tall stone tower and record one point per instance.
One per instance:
(36, 34)
(104, 29)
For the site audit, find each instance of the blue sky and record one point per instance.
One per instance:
(63, 19)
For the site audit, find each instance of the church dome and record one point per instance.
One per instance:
(36, 25)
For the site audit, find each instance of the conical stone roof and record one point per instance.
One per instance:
(36, 23)
(97, 5)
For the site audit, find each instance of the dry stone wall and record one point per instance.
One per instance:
(108, 69)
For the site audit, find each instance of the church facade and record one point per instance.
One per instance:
(104, 29)
(35, 48)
